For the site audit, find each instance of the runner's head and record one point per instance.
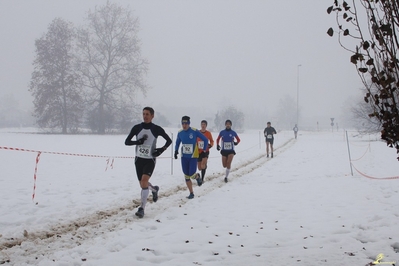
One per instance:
(204, 124)
(148, 114)
(185, 122)
(269, 124)
(228, 124)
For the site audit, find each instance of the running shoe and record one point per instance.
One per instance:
(226, 180)
(199, 180)
(140, 212)
(191, 196)
(155, 194)
(272, 155)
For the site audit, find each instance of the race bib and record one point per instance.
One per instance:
(187, 149)
(201, 144)
(144, 151)
(227, 145)
(270, 136)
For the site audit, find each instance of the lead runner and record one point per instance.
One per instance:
(146, 152)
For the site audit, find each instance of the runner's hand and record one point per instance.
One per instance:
(235, 143)
(218, 147)
(176, 153)
(157, 152)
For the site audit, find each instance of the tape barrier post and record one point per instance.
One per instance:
(35, 175)
(349, 152)
(171, 156)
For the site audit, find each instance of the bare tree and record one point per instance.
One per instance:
(111, 65)
(359, 111)
(57, 99)
(236, 116)
(373, 25)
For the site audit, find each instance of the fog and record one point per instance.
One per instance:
(206, 55)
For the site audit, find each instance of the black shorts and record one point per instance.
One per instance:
(227, 152)
(270, 141)
(144, 167)
(203, 155)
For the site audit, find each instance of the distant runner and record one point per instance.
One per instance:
(269, 136)
(295, 131)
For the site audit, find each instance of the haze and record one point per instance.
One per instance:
(206, 55)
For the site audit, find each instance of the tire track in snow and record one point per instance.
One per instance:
(73, 233)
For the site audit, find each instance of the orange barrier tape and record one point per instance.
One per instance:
(65, 153)
(110, 162)
(368, 148)
(376, 178)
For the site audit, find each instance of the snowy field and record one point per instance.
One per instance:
(302, 207)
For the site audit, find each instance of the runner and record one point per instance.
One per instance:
(295, 130)
(188, 138)
(146, 138)
(227, 149)
(269, 136)
(204, 154)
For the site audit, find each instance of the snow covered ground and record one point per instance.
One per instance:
(302, 207)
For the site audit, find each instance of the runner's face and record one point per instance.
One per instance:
(228, 125)
(185, 126)
(147, 116)
(203, 126)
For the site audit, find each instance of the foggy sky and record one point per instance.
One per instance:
(205, 55)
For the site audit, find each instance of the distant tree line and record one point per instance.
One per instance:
(236, 116)
(89, 76)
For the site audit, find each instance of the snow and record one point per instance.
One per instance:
(302, 207)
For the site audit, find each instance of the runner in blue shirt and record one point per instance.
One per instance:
(189, 152)
(229, 139)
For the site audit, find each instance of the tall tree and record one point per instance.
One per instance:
(111, 65)
(57, 99)
(373, 25)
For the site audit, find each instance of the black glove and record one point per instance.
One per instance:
(235, 143)
(141, 141)
(158, 151)
(176, 153)
(218, 147)
(209, 146)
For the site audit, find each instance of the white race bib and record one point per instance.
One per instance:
(188, 149)
(201, 144)
(227, 145)
(270, 136)
(144, 151)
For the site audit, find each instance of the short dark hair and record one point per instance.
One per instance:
(228, 120)
(150, 109)
(185, 119)
(204, 121)
(269, 123)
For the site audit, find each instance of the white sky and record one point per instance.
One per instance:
(206, 54)
(302, 207)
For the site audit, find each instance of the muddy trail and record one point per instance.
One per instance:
(73, 233)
